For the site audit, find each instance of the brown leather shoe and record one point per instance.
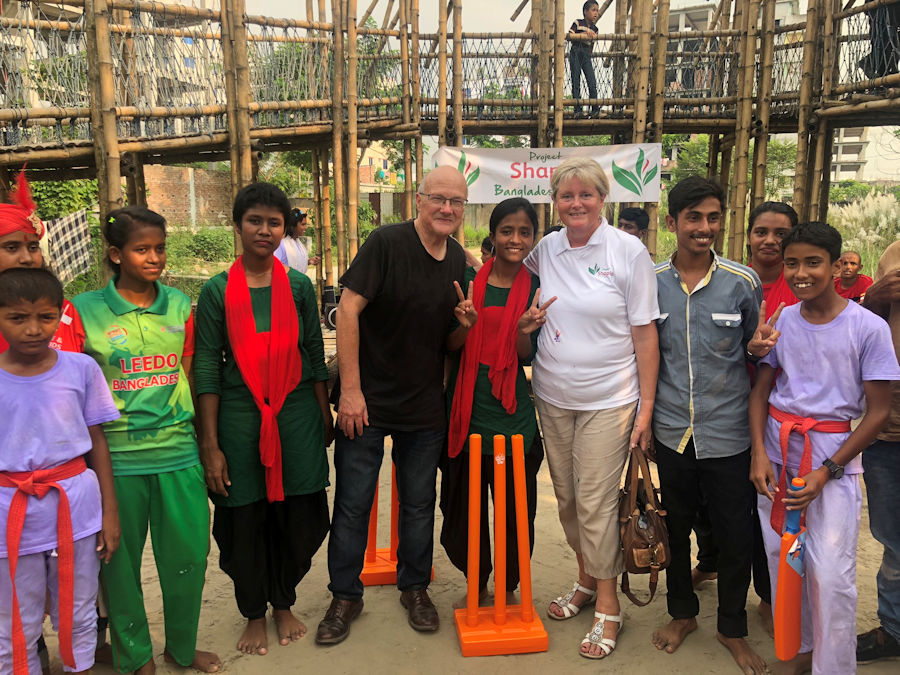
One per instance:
(422, 613)
(335, 627)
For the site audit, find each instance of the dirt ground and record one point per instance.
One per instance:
(380, 640)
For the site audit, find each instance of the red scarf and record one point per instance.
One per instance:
(269, 362)
(799, 425)
(503, 362)
(38, 484)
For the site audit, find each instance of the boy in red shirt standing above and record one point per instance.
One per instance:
(851, 284)
(766, 227)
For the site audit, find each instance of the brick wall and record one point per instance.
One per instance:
(187, 196)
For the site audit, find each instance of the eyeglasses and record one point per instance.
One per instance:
(440, 200)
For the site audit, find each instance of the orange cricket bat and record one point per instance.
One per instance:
(790, 583)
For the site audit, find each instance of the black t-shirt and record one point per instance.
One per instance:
(583, 23)
(403, 328)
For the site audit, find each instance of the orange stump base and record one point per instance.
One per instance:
(382, 572)
(489, 639)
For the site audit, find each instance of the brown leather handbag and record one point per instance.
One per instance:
(642, 526)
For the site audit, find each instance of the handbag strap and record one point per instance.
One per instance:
(626, 587)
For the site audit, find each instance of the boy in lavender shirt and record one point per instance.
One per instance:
(833, 360)
(51, 503)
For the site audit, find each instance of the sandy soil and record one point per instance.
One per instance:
(381, 641)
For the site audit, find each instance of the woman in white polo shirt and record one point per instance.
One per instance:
(594, 382)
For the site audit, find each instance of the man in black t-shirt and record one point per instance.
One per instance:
(392, 324)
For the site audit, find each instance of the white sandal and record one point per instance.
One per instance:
(595, 636)
(570, 609)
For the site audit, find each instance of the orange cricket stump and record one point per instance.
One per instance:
(380, 564)
(501, 629)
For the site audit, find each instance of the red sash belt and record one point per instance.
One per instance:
(801, 425)
(38, 484)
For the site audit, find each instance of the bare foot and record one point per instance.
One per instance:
(698, 576)
(253, 640)
(205, 662)
(462, 602)
(748, 660)
(580, 599)
(103, 654)
(289, 627)
(610, 630)
(802, 663)
(670, 636)
(765, 611)
(147, 669)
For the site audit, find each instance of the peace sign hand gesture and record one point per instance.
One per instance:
(536, 315)
(766, 336)
(465, 310)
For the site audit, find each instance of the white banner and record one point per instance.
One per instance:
(497, 174)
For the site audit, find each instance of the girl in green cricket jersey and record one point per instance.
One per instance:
(141, 334)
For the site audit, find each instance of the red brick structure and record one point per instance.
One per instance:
(188, 196)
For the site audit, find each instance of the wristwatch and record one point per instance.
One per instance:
(836, 469)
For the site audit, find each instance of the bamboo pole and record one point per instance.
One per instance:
(327, 254)
(825, 131)
(352, 134)
(659, 93)
(135, 182)
(368, 12)
(620, 22)
(712, 161)
(417, 91)
(518, 10)
(825, 183)
(317, 206)
(743, 122)
(242, 90)
(338, 133)
(406, 116)
(457, 73)
(442, 74)
(801, 193)
(103, 113)
(559, 71)
(763, 104)
(543, 43)
(726, 150)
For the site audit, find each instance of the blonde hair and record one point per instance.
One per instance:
(584, 169)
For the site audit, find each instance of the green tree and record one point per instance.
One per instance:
(586, 141)
(781, 160)
(846, 191)
(485, 141)
(56, 198)
(691, 158)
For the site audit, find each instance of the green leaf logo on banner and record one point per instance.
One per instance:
(469, 171)
(635, 181)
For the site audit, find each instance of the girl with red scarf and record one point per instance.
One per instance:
(497, 328)
(261, 383)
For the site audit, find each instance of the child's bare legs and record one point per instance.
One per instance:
(253, 640)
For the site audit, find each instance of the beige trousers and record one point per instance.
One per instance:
(586, 451)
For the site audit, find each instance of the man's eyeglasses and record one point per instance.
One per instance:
(440, 200)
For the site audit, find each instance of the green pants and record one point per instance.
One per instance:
(175, 506)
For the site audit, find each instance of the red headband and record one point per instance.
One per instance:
(21, 214)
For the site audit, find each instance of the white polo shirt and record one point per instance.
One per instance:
(585, 358)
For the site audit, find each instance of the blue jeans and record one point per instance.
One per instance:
(580, 62)
(356, 466)
(881, 462)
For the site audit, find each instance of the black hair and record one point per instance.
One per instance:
(486, 244)
(122, 223)
(636, 215)
(260, 194)
(773, 207)
(814, 233)
(554, 228)
(510, 206)
(856, 253)
(29, 284)
(691, 191)
(590, 3)
(295, 217)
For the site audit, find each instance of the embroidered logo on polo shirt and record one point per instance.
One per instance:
(172, 329)
(116, 335)
(598, 271)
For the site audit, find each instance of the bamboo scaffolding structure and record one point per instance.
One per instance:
(848, 110)
(645, 7)
(518, 10)
(406, 205)
(242, 90)
(543, 45)
(160, 9)
(442, 74)
(763, 104)
(457, 73)
(317, 206)
(559, 71)
(416, 90)
(368, 12)
(659, 93)
(825, 133)
(103, 116)
(743, 122)
(327, 254)
(136, 185)
(337, 116)
(801, 193)
(231, 109)
(352, 134)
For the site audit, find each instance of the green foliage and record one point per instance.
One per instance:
(868, 226)
(474, 236)
(692, 158)
(586, 141)
(281, 174)
(57, 198)
(846, 191)
(211, 244)
(781, 161)
(497, 141)
(95, 277)
(670, 141)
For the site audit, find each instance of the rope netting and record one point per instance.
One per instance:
(869, 44)
(702, 68)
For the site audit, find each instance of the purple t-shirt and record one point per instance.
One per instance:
(46, 420)
(823, 367)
